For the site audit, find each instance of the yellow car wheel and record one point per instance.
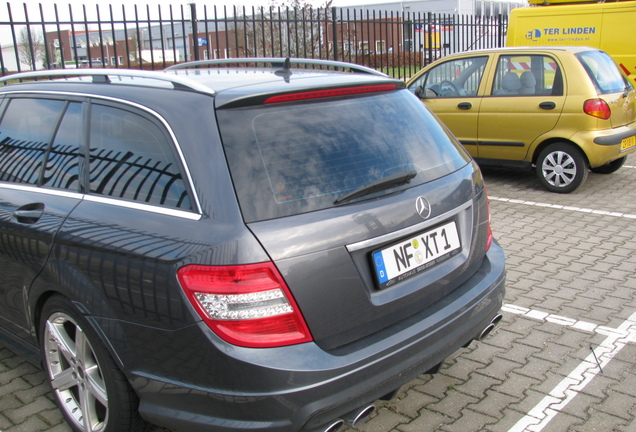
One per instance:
(561, 168)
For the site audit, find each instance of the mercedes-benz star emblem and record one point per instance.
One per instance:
(423, 207)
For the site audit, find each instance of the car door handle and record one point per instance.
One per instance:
(465, 106)
(547, 105)
(30, 213)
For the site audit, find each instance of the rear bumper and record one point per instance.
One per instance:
(618, 137)
(602, 147)
(302, 387)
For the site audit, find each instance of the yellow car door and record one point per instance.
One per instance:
(452, 91)
(524, 102)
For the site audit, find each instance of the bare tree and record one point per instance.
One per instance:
(31, 47)
(298, 30)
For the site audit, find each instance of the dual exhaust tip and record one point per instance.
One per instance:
(359, 416)
(485, 332)
(354, 418)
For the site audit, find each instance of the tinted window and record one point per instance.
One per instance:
(25, 132)
(132, 158)
(603, 72)
(62, 165)
(291, 159)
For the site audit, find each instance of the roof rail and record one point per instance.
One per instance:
(103, 76)
(277, 62)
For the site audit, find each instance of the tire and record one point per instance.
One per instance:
(610, 167)
(561, 168)
(91, 391)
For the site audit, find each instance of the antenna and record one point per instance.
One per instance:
(285, 72)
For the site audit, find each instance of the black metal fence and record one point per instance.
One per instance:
(398, 43)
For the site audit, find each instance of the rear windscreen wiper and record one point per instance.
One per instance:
(378, 185)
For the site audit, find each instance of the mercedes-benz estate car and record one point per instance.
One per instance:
(245, 246)
(558, 110)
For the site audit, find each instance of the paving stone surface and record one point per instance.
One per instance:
(562, 359)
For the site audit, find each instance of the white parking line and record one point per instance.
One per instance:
(562, 207)
(600, 356)
(581, 376)
(557, 319)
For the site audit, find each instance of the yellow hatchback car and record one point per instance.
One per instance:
(561, 110)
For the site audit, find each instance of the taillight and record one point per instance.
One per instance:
(489, 235)
(597, 108)
(247, 305)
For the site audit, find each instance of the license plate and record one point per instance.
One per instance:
(409, 257)
(628, 143)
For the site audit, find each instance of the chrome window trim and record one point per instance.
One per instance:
(43, 190)
(183, 214)
(143, 207)
(413, 229)
(156, 115)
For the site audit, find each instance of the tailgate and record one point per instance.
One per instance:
(611, 86)
(326, 183)
(327, 257)
(623, 107)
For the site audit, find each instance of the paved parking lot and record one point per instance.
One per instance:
(562, 359)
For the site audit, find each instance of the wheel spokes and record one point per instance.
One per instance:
(96, 386)
(64, 380)
(559, 169)
(75, 374)
(59, 339)
(90, 396)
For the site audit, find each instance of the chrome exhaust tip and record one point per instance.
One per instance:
(335, 426)
(485, 332)
(356, 418)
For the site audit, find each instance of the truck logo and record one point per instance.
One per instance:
(561, 34)
(534, 35)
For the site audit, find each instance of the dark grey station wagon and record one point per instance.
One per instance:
(245, 246)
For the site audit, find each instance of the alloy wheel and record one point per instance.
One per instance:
(75, 374)
(559, 169)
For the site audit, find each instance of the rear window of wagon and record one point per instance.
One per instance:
(287, 159)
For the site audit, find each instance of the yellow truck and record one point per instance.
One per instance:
(607, 26)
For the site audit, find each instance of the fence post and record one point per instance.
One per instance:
(195, 31)
(502, 30)
(334, 19)
(356, 28)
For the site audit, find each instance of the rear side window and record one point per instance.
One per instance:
(61, 170)
(603, 72)
(287, 159)
(131, 157)
(527, 75)
(26, 129)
